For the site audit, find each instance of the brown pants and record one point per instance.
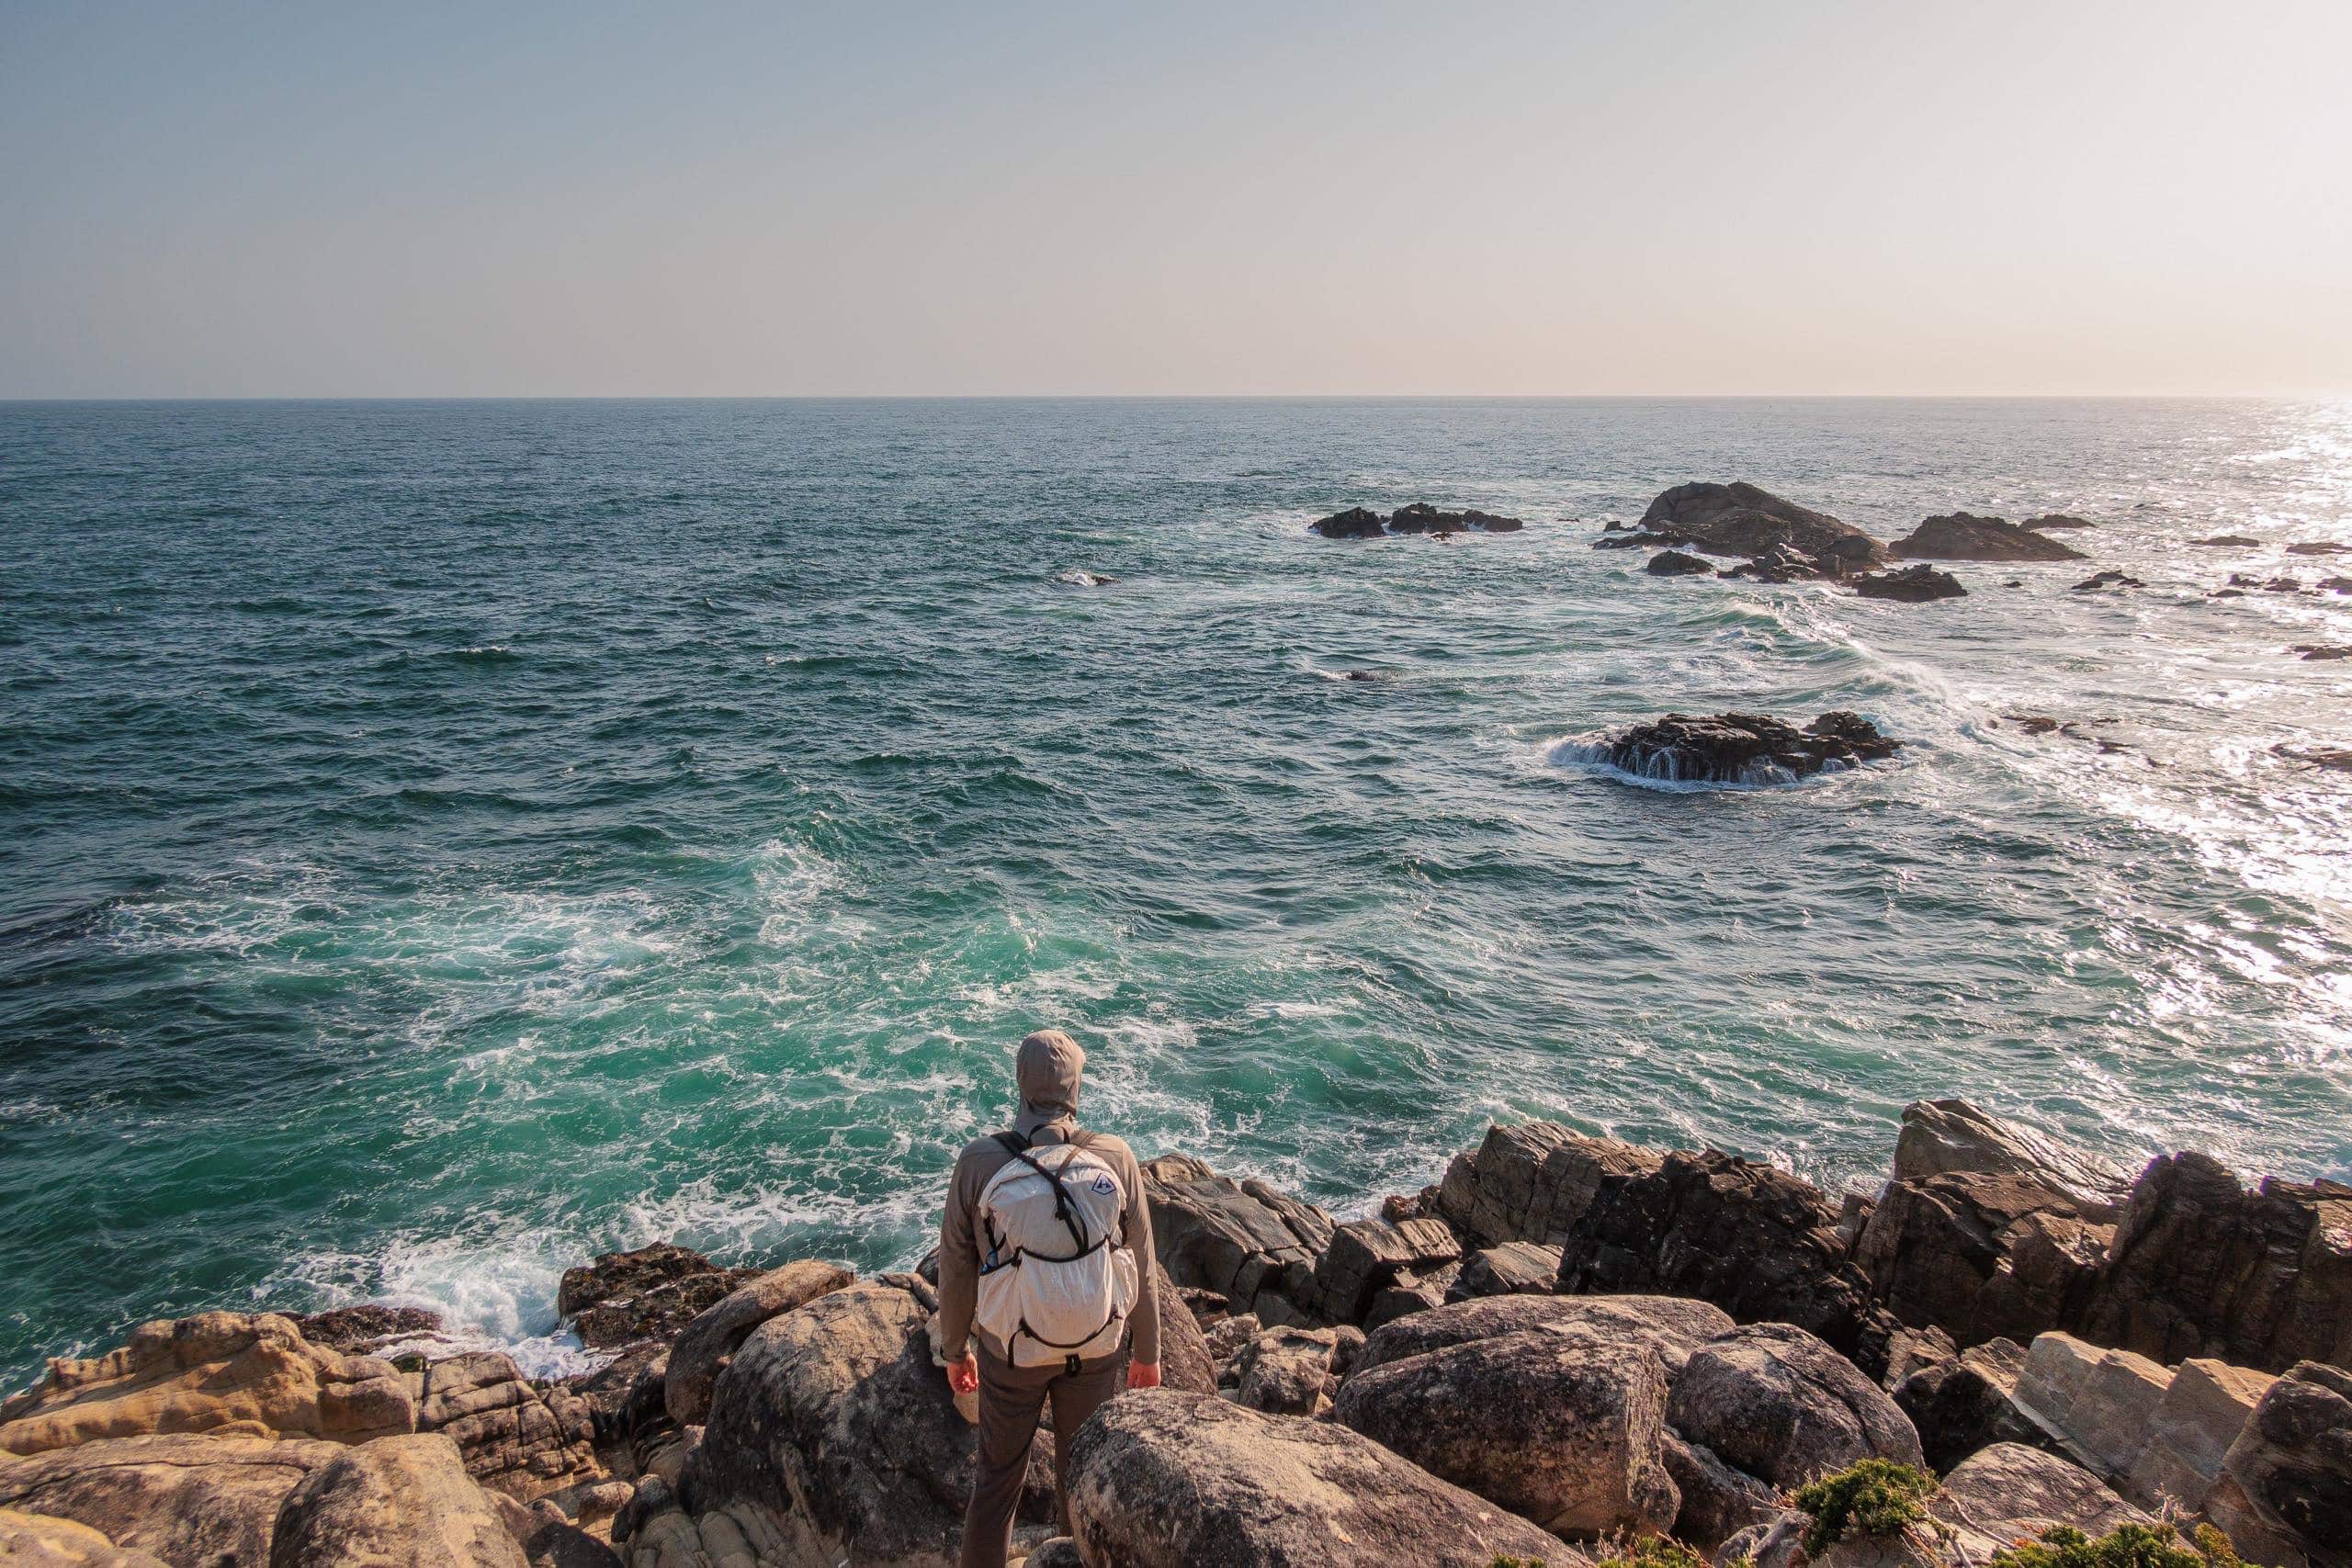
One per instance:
(1009, 1396)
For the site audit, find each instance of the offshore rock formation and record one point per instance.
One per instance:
(1420, 517)
(1962, 535)
(1566, 1340)
(1743, 748)
(1738, 519)
(1912, 585)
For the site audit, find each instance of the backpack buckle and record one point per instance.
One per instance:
(1069, 1364)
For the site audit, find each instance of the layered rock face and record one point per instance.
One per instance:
(1243, 1241)
(1738, 519)
(1746, 747)
(512, 1436)
(399, 1500)
(1941, 1136)
(1982, 1255)
(182, 1497)
(1963, 536)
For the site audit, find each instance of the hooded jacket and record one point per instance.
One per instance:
(1046, 1068)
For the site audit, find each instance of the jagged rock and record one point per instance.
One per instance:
(1289, 1371)
(364, 1330)
(706, 1345)
(2228, 541)
(2010, 1492)
(1412, 1290)
(1740, 520)
(1980, 1255)
(1783, 1407)
(1969, 1402)
(1783, 563)
(548, 1540)
(1532, 1181)
(2057, 520)
(1911, 585)
(2334, 585)
(625, 1394)
(1365, 1255)
(1743, 747)
(2109, 579)
(1673, 563)
(2291, 1467)
(1941, 1136)
(513, 1435)
(2203, 1411)
(1909, 1350)
(1964, 536)
(2201, 1266)
(1757, 1242)
(34, 1540)
(2322, 652)
(1669, 1328)
(1060, 1551)
(1514, 1268)
(1162, 1480)
(626, 1298)
(1718, 1500)
(1226, 1341)
(1420, 517)
(2098, 1402)
(398, 1500)
(1184, 1359)
(1355, 523)
(217, 1372)
(1566, 1434)
(831, 1437)
(1249, 1243)
(1642, 540)
(182, 1497)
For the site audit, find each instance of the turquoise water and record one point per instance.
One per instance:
(439, 840)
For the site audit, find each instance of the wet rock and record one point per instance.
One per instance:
(1784, 563)
(180, 1497)
(2291, 1467)
(1743, 747)
(2319, 547)
(34, 1540)
(2228, 542)
(1669, 1327)
(705, 1346)
(1249, 1243)
(2057, 520)
(2267, 585)
(1565, 1433)
(1078, 577)
(1912, 585)
(1673, 563)
(1942, 1135)
(1514, 1268)
(1738, 519)
(1757, 1242)
(1420, 517)
(1161, 1479)
(2322, 652)
(2201, 1267)
(1355, 523)
(1781, 1404)
(364, 1330)
(395, 1500)
(1964, 536)
(628, 1298)
(217, 1372)
(1982, 1255)
(2335, 585)
(513, 1435)
(1642, 540)
(2109, 579)
(1364, 1255)
(1532, 1181)
(2333, 759)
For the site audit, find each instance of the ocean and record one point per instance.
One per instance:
(441, 839)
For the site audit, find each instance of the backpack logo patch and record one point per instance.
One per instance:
(1104, 1186)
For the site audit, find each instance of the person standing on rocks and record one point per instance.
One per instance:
(1044, 1260)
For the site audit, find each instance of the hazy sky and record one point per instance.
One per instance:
(394, 199)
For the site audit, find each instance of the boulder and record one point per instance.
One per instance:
(1961, 536)
(1969, 1402)
(1743, 748)
(34, 1540)
(1718, 1500)
(1980, 1255)
(1364, 1255)
(2201, 1267)
(1412, 1290)
(2010, 1492)
(1939, 1136)
(704, 1346)
(626, 1298)
(217, 1372)
(393, 1502)
(832, 1437)
(1673, 563)
(1532, 1181)
(1355, 523)
(2097, 1404)
(1757, 1242)
(1293, 1372)
(1247, 1242)
(1565, 1433)
(1740, 520)
(2292, 1468)
(1911, 585)
(1514, 1268)
(513, 1435)
(1783, 1407)
(1186, 1359)
(548, 1540)
(2202, 1412)
(1669, 1328)
(1164, 1480)
(184, 1498)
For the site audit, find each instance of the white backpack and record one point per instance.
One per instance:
(1056, 1279)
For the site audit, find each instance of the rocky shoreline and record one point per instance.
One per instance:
(1568, 1348)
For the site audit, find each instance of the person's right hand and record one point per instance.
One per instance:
(964, 1376)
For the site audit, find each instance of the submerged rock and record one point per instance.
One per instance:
(1738, 519)
(1643, 539)
(2319, 547)
(1912, 585)
(2322, 652)
(1783, 563)
(1961, 536)
(2109, 579)
(2227, 542)
(2335, 758)
(1741, 748)
(2057, 520)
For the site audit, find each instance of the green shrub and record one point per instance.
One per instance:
(1873, 1496)
(2125, 1546)
(1654, 1551)
(1517, 1562)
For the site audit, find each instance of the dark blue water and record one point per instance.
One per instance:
(439, 839)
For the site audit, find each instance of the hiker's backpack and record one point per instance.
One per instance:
(1056, 1279)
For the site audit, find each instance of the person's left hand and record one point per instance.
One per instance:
(1143, 1374)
